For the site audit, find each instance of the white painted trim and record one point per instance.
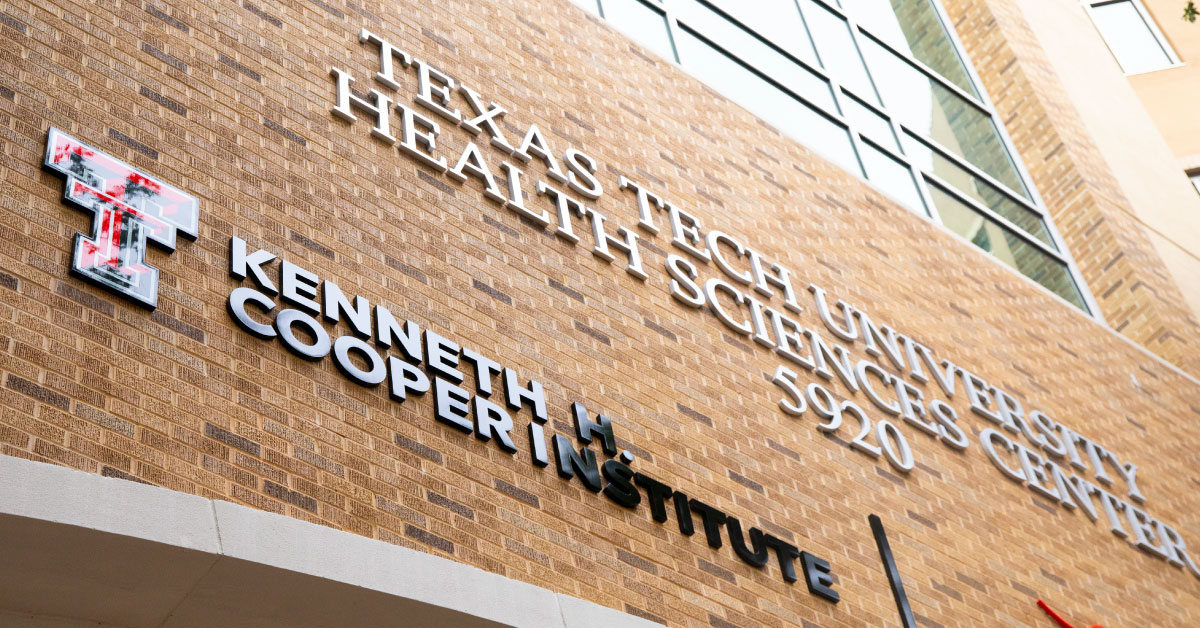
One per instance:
(1175, 62)
(87, 548)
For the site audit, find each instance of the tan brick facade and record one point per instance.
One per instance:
(231, 102)
(1137, 295)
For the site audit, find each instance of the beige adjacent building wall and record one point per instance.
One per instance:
(1170, 95)
(1144, 125)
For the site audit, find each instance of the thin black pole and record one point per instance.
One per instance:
(893, 574)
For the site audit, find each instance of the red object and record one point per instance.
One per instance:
(1062, 623)
(108, 248)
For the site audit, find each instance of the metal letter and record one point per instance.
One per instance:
(893, 574)
(237, 309)
(288, 319)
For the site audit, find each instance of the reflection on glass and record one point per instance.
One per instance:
(774, 56)
(645, 25)
(931, 161)
(777, 20)
(914, 26)
(1006, 246)
(929, 108)
(892, 177)
(839, 55)
(869, 123)
(756, 53)
(1129, 37)
(755, 93)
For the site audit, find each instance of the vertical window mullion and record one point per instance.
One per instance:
(836, 86)
(1089, 299)
(855, 103)
(672, 28)
(918, 180)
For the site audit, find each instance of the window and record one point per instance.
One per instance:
(769, 100)
(880, 87)
(1131, 35)
(920, 33)
(1195, 177)
(644, 24)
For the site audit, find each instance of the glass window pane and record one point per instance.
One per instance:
(758, 54)
(964, 181)
(1006, 246)
(641, 23)
(776, 20)
(793, 117)
(892, 177)
(869, 123)
(914, 26)
(1129, 37)
(839, 55)
(940, 114)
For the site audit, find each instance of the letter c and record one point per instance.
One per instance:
(988, 439)
(710, 290)
(237, 309)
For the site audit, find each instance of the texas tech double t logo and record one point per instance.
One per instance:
(129, 209)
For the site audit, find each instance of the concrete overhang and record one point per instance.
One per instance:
(78, 549)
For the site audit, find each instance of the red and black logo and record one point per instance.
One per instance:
(129, 207)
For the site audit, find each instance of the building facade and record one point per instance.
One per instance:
(1129, 133)
(598, 312)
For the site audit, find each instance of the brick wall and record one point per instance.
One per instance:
(231, 102)
(1135, 291)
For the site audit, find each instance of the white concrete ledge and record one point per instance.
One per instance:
(80, 549)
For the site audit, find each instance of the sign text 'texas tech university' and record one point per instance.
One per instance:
(756, 298)
(906, 385)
